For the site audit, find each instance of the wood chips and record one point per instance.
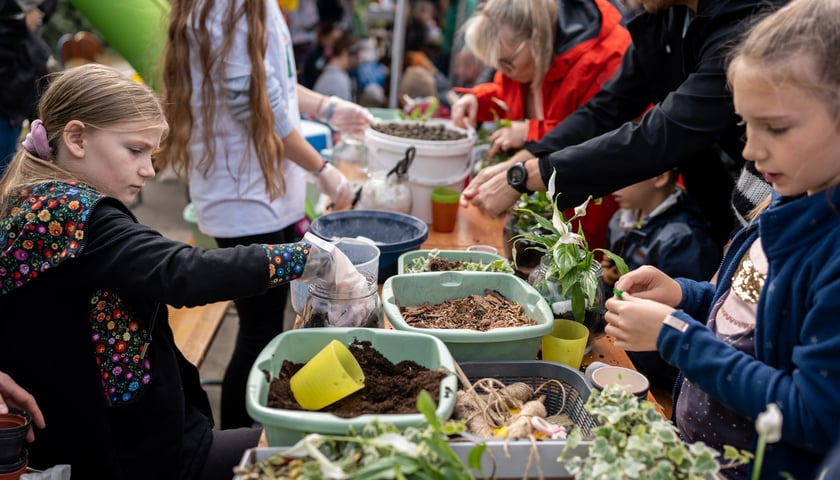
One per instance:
(475, 312)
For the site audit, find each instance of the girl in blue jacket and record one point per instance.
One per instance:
(767, 331)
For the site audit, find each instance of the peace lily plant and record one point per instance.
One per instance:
(570, 260)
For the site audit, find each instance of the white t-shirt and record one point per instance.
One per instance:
(232, 200)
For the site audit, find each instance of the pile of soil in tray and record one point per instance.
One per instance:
(438, 264)
(476, 312)
(389, 388)
(418, 131)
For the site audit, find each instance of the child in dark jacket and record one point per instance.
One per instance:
(84, 289)
(659, 224)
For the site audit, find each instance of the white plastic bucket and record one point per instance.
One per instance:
(433, 159)
(421, 191)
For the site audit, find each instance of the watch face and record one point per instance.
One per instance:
(516, 175)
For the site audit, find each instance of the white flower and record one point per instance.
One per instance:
(769, 423)
(580, 210)
(550, 190)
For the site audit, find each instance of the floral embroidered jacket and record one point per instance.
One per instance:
(84, 328)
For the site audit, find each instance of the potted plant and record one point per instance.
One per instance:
(520, 221)
(568, 274)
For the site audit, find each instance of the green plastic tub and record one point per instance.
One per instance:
(201, 239)
(510, 343)
(286, 427)
(405, 260)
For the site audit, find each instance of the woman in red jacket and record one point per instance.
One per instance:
(551, 56)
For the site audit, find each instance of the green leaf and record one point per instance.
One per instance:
(474, 457)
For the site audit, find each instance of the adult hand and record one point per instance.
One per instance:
(635, 322)
(13, 395)
(332, 182)
(464, 111)
(346, 117)
(484, 175)
(651, 283)
(494, 196)
(508, 138)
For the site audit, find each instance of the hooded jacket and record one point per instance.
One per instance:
(84, 328)
(590, 42)
(797, 339)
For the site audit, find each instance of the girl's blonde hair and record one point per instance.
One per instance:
(193, 15)
(803, 28)
(96, 95)
(534, 21)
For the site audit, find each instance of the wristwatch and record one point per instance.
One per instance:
(517, 177)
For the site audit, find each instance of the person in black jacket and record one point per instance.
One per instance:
(23, 63)
(83, 291)
(676, 63)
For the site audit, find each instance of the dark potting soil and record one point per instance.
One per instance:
(418, 131)
(389, 388)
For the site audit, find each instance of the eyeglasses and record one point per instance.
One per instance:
(507, 63)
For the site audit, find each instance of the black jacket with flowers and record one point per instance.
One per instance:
(83, 287)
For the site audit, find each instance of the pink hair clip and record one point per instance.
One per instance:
(36, 141)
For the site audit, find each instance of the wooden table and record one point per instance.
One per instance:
(473, 228)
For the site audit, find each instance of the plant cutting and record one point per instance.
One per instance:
(570, 268)
(635, 441)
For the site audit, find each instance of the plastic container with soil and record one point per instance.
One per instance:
(285, 427)
(507, 343)
(406, 259)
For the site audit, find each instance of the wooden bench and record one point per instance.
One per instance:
(195, 328)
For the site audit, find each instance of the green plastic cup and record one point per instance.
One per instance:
(566, 343)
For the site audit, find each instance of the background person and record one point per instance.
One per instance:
(241, 148)
(659, 224)
(335, 79)
(764, 332)
(23, 64)
(551, 56)
(676, 63)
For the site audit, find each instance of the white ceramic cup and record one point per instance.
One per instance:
(600, 375)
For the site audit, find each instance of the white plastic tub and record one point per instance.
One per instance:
(433, 159)
(421, 191)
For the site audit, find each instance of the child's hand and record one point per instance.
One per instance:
(609, 272)
(634, 322)
(652, 284)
